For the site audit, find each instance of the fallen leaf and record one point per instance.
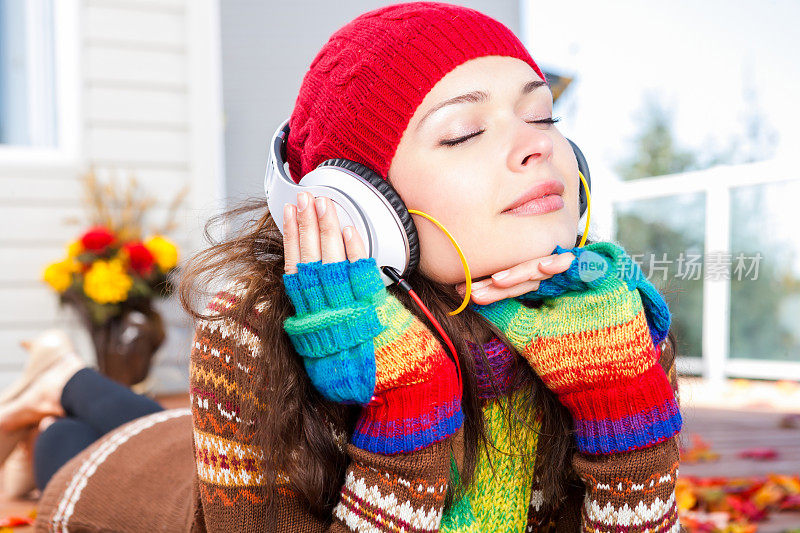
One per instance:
(759, 454)
(14, 521)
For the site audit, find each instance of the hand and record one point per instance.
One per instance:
(359, 344)
(335, 320)
(311, 233)
(517, 280)
(594, 343)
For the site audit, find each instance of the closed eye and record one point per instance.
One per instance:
(454, 142)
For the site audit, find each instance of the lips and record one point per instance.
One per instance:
(539, 190)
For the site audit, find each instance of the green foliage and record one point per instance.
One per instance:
(655, 150)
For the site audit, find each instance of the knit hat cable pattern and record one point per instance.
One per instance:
(366, 82)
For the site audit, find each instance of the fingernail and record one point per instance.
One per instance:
(287, 213)
(546, 262)
(302, 201)
(479, 292)
(348, 233)
(482, 283)
(321, 206)
(500, 275)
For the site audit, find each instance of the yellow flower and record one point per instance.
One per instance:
(164, 251)
(74, 248)
(107, 282)
(59, 274)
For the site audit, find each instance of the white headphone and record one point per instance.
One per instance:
(362, 199)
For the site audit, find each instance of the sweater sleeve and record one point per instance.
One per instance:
(402, 492)
(380, 492)
(360, 343)
(388, 493)
(635, 488)
(230, 494)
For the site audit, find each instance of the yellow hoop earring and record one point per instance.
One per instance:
(588, 208)
(460, 255)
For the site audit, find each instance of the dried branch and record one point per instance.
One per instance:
(125, 211)
(172, 210)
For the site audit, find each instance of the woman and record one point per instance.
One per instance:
(560, 412)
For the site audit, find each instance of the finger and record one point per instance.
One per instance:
(559, 264)
(461, 287)
(533, 270)
(353, 244)
(493, 293)
(520, 273)
(291, 242)
(331, 241)
(308, 228)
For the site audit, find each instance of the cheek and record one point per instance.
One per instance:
(440, 260)
(567, 166)
(464, 212)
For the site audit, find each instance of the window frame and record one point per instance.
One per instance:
(714, 364)
(67, 91)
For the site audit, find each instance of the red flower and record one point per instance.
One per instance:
(140, 258)
(97, 238)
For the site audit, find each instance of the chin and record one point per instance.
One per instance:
(487, 261)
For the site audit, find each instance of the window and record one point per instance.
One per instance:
(739, 317)
(27, 89)
(38, 80)
(665, 237)
(765, 303)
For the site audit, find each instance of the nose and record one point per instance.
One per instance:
(531, 144)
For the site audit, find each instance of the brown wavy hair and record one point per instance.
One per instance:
(306, 437)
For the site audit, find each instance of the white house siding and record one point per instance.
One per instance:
(267, 47)
(149, 101)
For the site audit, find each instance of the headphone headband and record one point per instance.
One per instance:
(277, 156)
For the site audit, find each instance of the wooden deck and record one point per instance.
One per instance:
(728, 431)
(731, 431)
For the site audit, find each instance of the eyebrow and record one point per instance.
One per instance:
(476, 97)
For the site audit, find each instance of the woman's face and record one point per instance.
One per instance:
(468, 186)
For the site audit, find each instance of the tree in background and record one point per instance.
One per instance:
(655, 151)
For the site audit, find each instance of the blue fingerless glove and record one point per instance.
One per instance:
(335, 324)
(600, 264)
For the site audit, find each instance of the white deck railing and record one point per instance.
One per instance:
(716, 185)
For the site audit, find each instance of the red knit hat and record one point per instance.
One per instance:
(367, 81)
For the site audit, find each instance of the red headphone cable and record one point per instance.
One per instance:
(395, 276)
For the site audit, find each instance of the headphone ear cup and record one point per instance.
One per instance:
(387, 191)
(583, 167)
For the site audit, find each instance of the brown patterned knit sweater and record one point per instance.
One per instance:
(631, 491)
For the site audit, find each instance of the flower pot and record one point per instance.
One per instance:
(125, 345)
